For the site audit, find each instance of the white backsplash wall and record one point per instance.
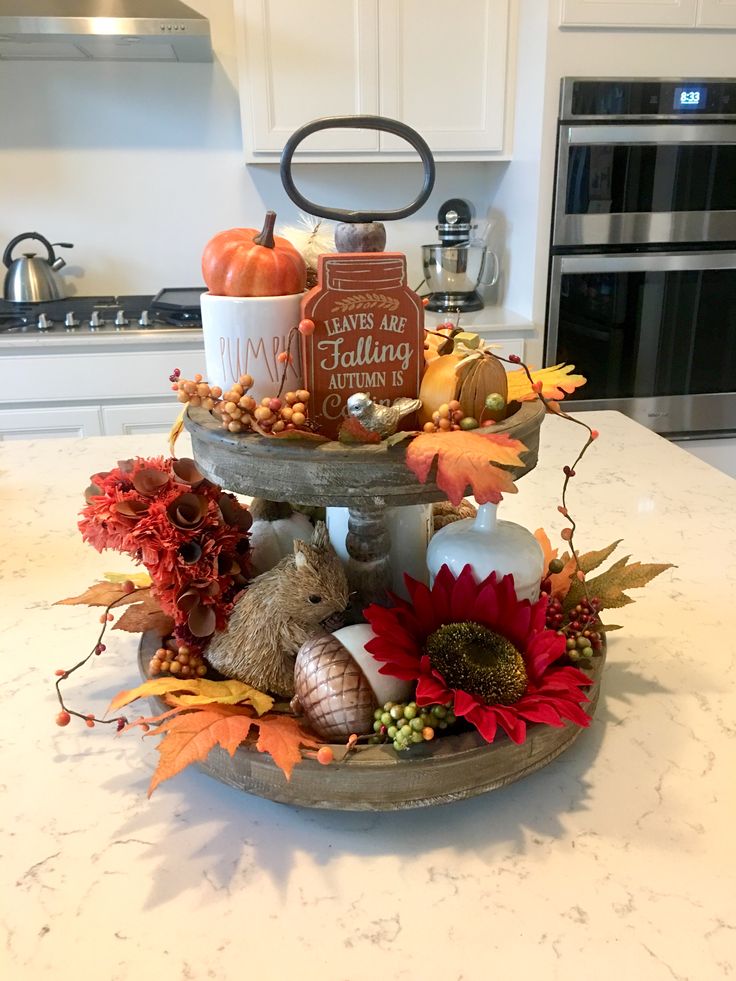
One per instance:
(140, 164)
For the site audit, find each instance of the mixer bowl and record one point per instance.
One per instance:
(458, 268)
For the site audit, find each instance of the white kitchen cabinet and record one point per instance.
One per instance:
(47, 423)
(716, 13)
(439, 67)
(649, 13)
(132, 420)
(93, 386)
(628, 13)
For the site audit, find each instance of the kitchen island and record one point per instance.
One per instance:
(618, 860)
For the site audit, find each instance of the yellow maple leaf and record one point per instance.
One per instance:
(141, 580)
(557, 381)
(176, 430)
(196, 691)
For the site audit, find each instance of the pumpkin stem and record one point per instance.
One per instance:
(263, 510)
(265, 238)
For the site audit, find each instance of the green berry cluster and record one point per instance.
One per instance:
(406, 723)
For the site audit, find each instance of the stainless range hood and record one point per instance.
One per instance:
(102, 30)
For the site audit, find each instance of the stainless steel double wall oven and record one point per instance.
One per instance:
(642, 283)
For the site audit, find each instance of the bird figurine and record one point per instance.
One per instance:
(381, 419)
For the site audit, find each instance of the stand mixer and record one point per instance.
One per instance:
(455, 268)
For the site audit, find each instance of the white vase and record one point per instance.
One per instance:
(488, 545)
(244, 335)
(409, 530)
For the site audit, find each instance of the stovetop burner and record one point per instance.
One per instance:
(79, 315)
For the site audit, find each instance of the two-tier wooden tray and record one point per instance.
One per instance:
(367, 480)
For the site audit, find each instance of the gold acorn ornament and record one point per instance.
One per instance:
(468, 374)
(337, 684)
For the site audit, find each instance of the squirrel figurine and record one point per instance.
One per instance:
(278, 612)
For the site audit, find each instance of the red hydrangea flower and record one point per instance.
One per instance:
(181, 527)
(461, 634)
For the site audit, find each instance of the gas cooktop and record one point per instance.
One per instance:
(170, 309)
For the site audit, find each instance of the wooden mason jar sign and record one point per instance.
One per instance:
(368, 334)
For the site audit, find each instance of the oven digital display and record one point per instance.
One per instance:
(690, 97)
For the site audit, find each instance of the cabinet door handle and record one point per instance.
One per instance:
(382, 123)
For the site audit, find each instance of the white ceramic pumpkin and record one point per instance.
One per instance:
(276, 525)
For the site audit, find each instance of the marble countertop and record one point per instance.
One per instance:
(618, 860)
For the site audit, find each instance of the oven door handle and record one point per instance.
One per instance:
(652, 134)
(645, 262)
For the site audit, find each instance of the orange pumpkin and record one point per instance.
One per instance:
(246, 262)
(443, 381)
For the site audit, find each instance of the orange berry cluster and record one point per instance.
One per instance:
(240, 412)
(446, 418)
(197, 392)
(178, 660)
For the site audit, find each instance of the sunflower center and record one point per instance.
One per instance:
(477, 660)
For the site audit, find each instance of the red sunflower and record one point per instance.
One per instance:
(476, 645)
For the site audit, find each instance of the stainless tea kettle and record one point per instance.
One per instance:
(32, 279)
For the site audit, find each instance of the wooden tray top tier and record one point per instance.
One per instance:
(331, 474)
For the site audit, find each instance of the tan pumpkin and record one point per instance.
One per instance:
(445, 379)
(246, 262)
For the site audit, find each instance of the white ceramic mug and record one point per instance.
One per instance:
(245, 335)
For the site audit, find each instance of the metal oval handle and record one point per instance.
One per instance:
(7, 254)
(385, 125)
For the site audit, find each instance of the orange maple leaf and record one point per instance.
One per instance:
(281, 736)
(190, 733)
(189, 736)
(549, 553)
(557, 381)
(102, 594)
(467, 459)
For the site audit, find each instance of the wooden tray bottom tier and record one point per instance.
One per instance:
(377, 778)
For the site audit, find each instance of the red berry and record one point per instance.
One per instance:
(594, 434)
(515, 359)
(325, 756)
(128, 586)
(283, 357)
(121, 723)
(60, 673)
(306, 327)
(63, 719)
(100, 648)
(274, 405)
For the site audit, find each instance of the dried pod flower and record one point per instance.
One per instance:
(149, 481)
(187, 511)
(186, 472)
(234, 513)
(190, 552)
(131, 509)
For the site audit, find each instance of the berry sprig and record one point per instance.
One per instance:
(551, 405)
(407, 724)
(239, 411)
(582, 630)
(181, 660)
(90, 719)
